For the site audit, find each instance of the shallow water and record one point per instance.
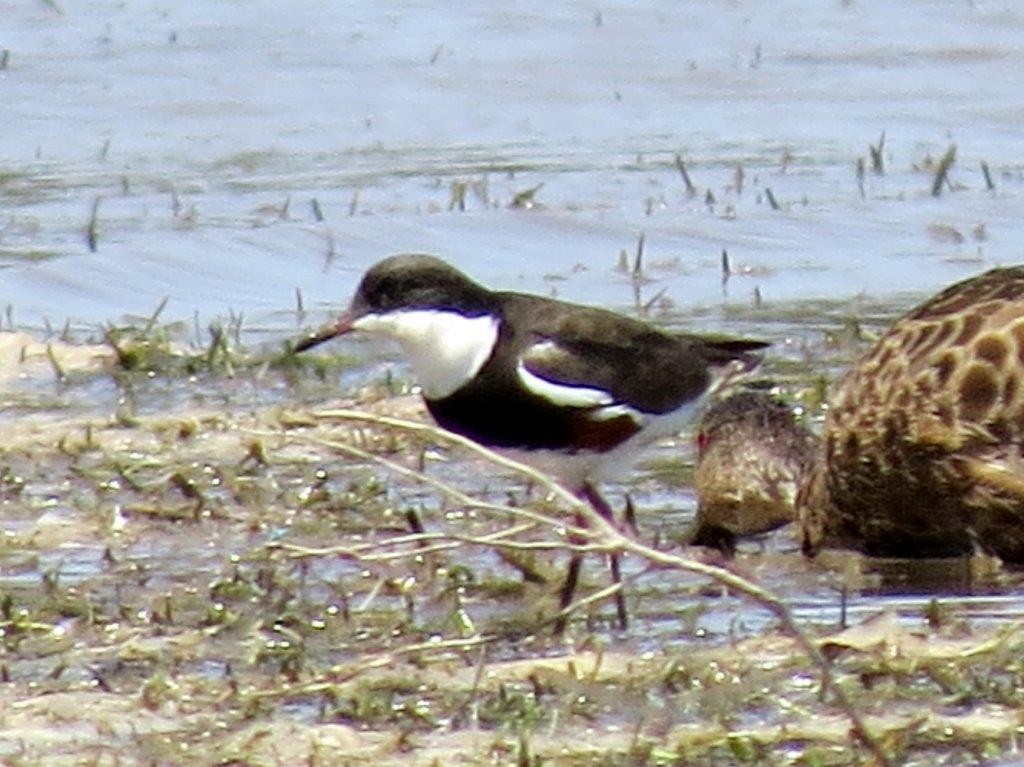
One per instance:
(250, 159)
(214, 140)
(195, 127)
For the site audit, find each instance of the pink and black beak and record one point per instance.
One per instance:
(341, 326)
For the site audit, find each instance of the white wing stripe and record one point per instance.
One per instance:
(602, 404)
(562, 394)
(614, 411)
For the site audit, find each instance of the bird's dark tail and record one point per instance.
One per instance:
(731, 359)
(742, 351)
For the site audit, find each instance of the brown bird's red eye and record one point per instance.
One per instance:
(702, 441)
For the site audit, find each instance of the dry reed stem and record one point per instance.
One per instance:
(606, 537)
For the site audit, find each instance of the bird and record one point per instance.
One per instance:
(921, 453)
(923, 444)
(569, 389)
(751, 455)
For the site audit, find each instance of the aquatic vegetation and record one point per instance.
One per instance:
(193, 583)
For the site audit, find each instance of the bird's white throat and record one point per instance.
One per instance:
(445, 348)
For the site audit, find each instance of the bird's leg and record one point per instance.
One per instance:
(596, 500)
(572, 575)
(589, 494)
(629, 517)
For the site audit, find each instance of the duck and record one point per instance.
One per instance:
(921, 452)
(751, 456)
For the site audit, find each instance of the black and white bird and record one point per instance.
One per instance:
(572, 390)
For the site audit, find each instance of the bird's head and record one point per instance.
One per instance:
(403, 284)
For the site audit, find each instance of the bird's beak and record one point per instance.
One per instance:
(339, 327)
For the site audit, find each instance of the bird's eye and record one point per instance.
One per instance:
(702, 441)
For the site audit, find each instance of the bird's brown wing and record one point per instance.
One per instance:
(634, 363)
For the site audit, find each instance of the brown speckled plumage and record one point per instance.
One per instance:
(751, 457)
(922, 443)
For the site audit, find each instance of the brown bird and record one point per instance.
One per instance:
(573, 390)
(922, 444)
(922, 449)
(751, 457)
